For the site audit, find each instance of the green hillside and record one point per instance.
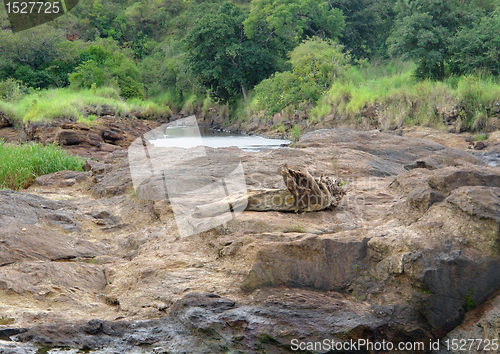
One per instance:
(260, 57)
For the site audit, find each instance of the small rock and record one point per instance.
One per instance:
(480, 145)
(4, 121)
(70, 137)
(111, 135)
(419, 164)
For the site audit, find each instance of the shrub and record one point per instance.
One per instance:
(88, 74)
(88, 121)
(316, 63)
(322, 61)
(400, 97)
(295, 133)
(12, 90)
(20, 165)
(285, 90)
(63, 103)
(150, 110)
(102, 68)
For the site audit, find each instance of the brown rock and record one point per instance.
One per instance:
(70, 137)
(4, 121)
(111, 135)
(449, 113)
(480, 145)
(61, 179)
(78, 126)
(109, 147)
(395, 260)
(87, 140)
(480, 323)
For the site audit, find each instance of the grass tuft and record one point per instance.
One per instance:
(21, 164)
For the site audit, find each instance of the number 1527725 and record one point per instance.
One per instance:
(32, 7)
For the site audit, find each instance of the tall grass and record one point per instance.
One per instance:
(74, 105)
(21, 164)
(403, 99)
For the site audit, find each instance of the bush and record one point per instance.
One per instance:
(89, 120)
(294, 133)
(12, 90)
(20, 165)
(102, 68)
(284, 90)
(322, 61)
(149, 109)
(87, 74)
(316, 64)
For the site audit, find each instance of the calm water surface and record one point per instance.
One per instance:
(187, 137)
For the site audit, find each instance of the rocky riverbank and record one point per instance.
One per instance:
(106, 134)
(411, 254)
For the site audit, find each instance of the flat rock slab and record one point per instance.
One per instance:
(406, 255)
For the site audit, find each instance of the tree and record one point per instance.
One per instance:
(367, 23)
(422, 31)
(477, 48)
(32, 47)
(87, 74)
(294, 19)
(226, 61)
(40, 57)
(167, 69)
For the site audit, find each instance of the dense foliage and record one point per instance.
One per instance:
(224, 59)
(278, 53)
(316, 65)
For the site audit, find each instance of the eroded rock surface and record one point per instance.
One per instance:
(106, 134)
(413, 246)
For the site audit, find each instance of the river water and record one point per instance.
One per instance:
(188, 137)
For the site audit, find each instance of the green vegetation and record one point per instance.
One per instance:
(89, 121)
(11, 90)
(20, 165)
(481, 137)
(469, 302)
(403, 98)
(5, 321)
(295, 133)
(367, 26)
(298, 227)
(316, 65)
(478, 47)
(224, 59)
(421, 31)
(293, 20)
(257, 57)
(68, 103)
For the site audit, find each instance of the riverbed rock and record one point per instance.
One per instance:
(480, 325)
(4, 121)
(410, 251)
(106, 134)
